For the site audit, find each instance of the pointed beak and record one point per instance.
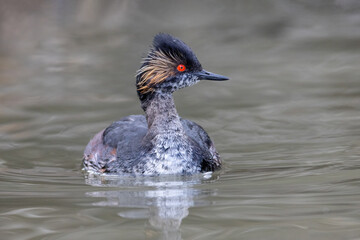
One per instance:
(205, 75)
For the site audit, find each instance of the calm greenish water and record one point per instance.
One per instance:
(287, 124)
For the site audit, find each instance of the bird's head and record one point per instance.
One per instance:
(170, 65)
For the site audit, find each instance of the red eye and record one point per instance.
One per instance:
(181, 67)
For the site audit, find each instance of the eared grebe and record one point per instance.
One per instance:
(160, 142)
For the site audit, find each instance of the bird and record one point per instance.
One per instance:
(158, 142)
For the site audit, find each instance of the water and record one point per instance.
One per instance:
(287, 124)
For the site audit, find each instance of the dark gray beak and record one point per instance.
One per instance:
(205, 75)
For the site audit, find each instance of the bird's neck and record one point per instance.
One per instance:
(161, 114)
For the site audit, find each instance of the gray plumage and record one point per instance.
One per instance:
(159, 142)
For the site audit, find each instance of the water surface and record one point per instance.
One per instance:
(287, 124)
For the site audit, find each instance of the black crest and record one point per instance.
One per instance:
(175, 47)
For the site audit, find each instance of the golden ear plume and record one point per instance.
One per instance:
(158, 67)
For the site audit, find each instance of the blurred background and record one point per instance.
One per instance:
(287, 124)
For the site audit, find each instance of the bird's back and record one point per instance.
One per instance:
(120, 147)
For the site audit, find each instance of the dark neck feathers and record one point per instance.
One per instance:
(161, 114)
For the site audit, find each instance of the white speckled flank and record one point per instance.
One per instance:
(171, 156)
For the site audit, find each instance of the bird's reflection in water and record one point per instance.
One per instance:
(164, 201)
